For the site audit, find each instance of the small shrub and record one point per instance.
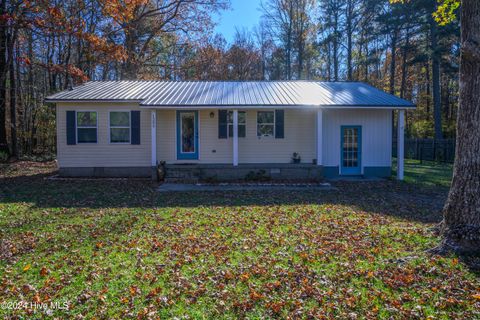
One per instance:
(260, 175)
(3, 156)
(211, 179)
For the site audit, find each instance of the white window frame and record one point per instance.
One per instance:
(86, 127)
(239, 124)
(274, 121)
(120, 127)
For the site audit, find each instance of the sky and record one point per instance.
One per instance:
(242, 14)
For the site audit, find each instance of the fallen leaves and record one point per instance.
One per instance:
(358, 253)
(43, 272)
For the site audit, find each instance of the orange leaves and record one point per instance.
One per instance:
(26, 268)
(244, 277)
(255, 296)
(24, 60)
(476, 297)
(156, 245)
(100, 44)
(275, 307)
(43, 272)
(133, 290)
(275, 285)
(399, 278)
(154, 292)
(228, 275)
(56, 13)
(36, 298)
(121, 11)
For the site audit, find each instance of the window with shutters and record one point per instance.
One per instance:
(265, 123)
(86, 127)
(242, 121)
(120, 127)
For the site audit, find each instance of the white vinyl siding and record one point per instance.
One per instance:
(376, 135)
(299, 137)
(103, 153)
(299, 127)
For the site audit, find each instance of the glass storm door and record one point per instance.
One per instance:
(187, 135)
(351, 146)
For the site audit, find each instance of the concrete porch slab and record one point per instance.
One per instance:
(178, 187)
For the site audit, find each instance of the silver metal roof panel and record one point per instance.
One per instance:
(234, 93)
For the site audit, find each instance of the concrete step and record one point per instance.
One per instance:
(183, 173)
(181, 180)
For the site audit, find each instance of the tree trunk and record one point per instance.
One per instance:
(437, 107)
(393, 58)
(393, 61)
(335, 47)
(349, 33)
(461, 222)
(3, 78)
(13, 94)
(366, 64)
(403, 84)
(130, 66)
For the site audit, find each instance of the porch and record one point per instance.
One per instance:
(245, 172)
(316, 134)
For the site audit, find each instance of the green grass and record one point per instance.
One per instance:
(427, 173)
(119, 249)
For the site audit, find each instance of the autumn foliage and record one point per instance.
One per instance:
(120, 249)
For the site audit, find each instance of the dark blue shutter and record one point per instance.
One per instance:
(222, 124)
(71, 128)
(279, 124)
(135, 119)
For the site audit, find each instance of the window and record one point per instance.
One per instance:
(120, 127)
(265, 123)
(86, 127)
(241, 123)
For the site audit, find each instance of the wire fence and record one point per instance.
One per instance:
(442, 150)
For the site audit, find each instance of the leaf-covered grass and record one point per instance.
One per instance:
(119, 249)
(427, 173)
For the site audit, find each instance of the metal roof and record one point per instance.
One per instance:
(233, 93)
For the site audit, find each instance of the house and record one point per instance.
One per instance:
(227, 130)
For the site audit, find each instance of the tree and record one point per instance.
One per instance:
(142, 22)
(243, 59)
(279, 15)
(351, 23)
(331, 15)
(3, 74)
(461, 223)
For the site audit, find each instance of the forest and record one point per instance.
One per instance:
(47, 46)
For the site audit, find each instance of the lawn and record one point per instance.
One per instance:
(119, 249)
(427, 173)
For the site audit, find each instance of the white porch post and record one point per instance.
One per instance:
(235, 137)
(153, 126)
(319, 137)
(400, 144)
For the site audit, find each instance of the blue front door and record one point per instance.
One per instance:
(351, 150)
(187, 135)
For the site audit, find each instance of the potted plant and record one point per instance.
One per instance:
(161, 171)
(296, 157)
